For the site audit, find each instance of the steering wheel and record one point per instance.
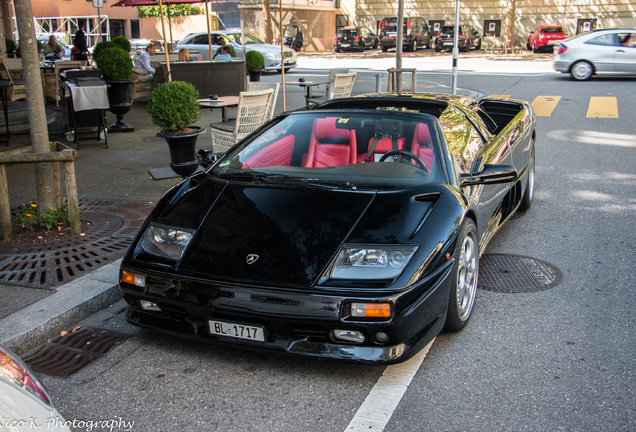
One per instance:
(408, 155)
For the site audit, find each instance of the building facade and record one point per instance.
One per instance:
(489, 17)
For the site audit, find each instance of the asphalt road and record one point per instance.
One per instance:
(558, 359)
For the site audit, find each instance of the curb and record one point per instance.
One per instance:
(70, 304)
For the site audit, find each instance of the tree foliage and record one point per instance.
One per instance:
(175, 10)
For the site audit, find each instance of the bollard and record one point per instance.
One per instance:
(378, 83)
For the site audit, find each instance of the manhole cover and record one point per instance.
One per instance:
(114, 225)
(65, 355)
(516, 274)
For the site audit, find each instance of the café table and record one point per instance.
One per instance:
(222, 102)
(309, 85)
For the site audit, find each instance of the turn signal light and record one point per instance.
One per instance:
(371, 310)
(133, 278)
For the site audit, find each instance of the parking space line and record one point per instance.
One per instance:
(544, 105)
(602, 107)
(376, 410)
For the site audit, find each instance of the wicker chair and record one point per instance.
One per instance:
(253, 111)
(342, 85)
(18, 89)
(262, 85)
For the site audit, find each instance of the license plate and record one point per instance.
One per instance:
(238, 331)
(345, 45)
(391, 34)
(448, 43)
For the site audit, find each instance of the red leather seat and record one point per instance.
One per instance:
(384, 145)
(275, 154)
(422, 144)
(330, 146)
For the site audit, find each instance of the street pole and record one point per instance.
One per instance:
(455, 50)
(398, 47)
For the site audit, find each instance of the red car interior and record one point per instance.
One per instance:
(330, 146)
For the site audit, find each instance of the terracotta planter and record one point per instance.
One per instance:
(120, 98)
(183, 148)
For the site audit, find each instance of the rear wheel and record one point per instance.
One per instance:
(582, 70)
(464, 278)
(384, 48)
(526, 201)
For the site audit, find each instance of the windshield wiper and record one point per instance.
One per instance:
(288, 179)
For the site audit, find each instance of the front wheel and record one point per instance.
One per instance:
(582, 70)
(464, 278)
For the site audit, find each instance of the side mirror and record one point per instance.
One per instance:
(489, 174)
(206, 158)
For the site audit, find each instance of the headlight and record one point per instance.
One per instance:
(371, 262)
(272, 55)
(165, 241)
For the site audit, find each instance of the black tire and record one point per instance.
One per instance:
(528, 46)
(464, 278)
(337, 50)
(437, 49)
(478, 46)
(526, 201)
(384, 48)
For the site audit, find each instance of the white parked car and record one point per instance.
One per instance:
(199, 42)
(609, 52)
(24, 403)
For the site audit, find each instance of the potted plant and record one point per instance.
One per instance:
(173, 106)
(255, 63)
(122, 42)
(117, 67)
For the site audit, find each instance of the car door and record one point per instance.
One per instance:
(625, 54)
(601, 50)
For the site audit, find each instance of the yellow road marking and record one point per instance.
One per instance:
(602, 107)
(544, 105)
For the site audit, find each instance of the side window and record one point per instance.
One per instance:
(462, 138)
(606, 39)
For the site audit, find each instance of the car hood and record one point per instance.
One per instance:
(273, 234)
(265, 48)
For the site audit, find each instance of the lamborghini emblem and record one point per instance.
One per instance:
(251, 258)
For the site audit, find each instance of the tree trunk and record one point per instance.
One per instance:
(35, 102)
(269, 32)
(510, 17)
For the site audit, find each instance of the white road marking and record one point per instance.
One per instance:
(377, 409)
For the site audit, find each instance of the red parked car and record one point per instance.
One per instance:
(546, 37)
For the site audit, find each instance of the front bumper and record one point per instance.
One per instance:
(296, 322)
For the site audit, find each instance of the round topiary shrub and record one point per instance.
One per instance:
(232, 50)
(115, 64)
(173, 106)
(10, 45)
(254, 61)
(101, 46)
(122, 42)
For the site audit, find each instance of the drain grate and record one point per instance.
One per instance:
(65, 355)
(516, 274)
(114, 225)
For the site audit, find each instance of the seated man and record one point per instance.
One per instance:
(224, 55)
(143, 61)
(53, 47)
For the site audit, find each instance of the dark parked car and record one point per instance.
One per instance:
(357, 39)
(545, 38)
(350, 231)
(609, 52)
(416, 33)
(468, 38)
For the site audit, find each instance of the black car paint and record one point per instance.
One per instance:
(300, 307)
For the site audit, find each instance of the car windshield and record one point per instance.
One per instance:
(339, 149)
(249, 39)
(552, 30)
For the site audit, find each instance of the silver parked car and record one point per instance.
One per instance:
(24, 403)
(199, 42)
(610, 52)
